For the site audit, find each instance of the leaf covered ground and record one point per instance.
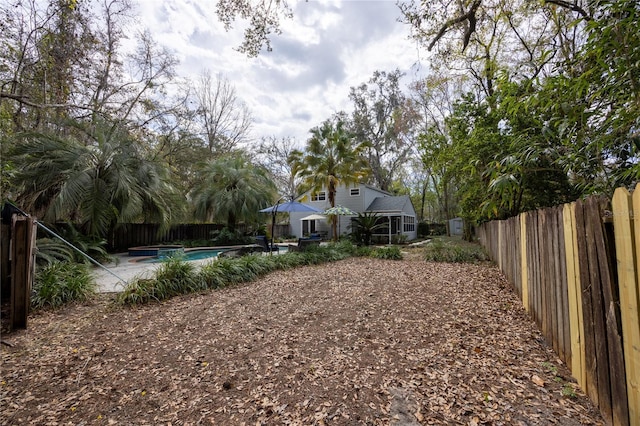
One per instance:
(360, 341)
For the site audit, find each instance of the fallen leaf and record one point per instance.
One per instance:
(537, 380)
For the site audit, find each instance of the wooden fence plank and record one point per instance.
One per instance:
(532, 252)
(545, 315)
(556, 284)
(595, 240)
(627, 266)
(567, 324)
(524, 273)
(550, 282)
(516, 255)
(610, 304)
(574, 300)
(563, 313)
(591, 382)
(535, 260)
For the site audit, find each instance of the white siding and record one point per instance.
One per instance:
(358, 203)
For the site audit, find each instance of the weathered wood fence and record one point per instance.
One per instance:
(140, 234)
(576, 269)
(17, 267)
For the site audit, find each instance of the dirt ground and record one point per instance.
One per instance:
(357, 342)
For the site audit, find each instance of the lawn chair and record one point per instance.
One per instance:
(304, 243)
(262, 241)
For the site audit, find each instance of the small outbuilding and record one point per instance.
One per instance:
(456, 226)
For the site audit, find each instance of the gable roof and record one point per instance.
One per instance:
(391, 204)
(373, 188)
(342, 187)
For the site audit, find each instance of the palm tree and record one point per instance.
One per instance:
(365, 225)
(95, 179)
(331, 159)
(232, 189)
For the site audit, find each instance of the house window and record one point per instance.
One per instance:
(319, 196)
(409, 224)
(354, 192)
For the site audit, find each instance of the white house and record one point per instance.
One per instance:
(360, 198)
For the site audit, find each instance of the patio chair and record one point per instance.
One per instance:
(262, 241)
(304, 243)
(241, 251)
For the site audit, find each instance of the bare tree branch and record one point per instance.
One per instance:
(468, 16)
(25, 101)
(571, 6)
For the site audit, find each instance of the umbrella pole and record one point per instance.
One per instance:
(273, 230)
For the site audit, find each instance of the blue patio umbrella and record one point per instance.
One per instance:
(288, 207)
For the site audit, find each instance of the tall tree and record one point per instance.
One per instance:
(274, 154)
(331, 158)
(96, 185)
(232, 189)
(263, 19)
(225, 119)
(383, 117)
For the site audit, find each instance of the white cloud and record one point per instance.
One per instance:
(325, 49)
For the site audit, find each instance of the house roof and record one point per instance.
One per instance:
(390, 204)
(376, 189)
(371, 187)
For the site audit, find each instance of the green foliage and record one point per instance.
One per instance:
(364, 251)
(172, 278)
(391, 253)
(62, 282)
(99, 179)
(90, 245)
(227, 237)
(176, 277)
(364, 226)
(568, 391)
(330, 159)
(452, 251)
(399, 239)
(51, 250)
(384, 119)
(232, 189)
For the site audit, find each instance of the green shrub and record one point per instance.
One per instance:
(212, 275)
(226, 237)
(454, 252)
(364, 251)
(399, 239)
(139, 290)
(174, 276)
(177, 277)
(61, 282)
(391, 253)
(50, 250)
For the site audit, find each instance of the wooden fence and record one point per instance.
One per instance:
(141, 234)
(576, 269)
(17, 267)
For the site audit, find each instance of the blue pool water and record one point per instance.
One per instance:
(187, 256)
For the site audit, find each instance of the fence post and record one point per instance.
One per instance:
(627, 261)
(5, 278)
(23, 236)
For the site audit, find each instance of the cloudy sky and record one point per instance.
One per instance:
(328, 47)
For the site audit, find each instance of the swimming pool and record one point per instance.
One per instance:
(188, 256)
